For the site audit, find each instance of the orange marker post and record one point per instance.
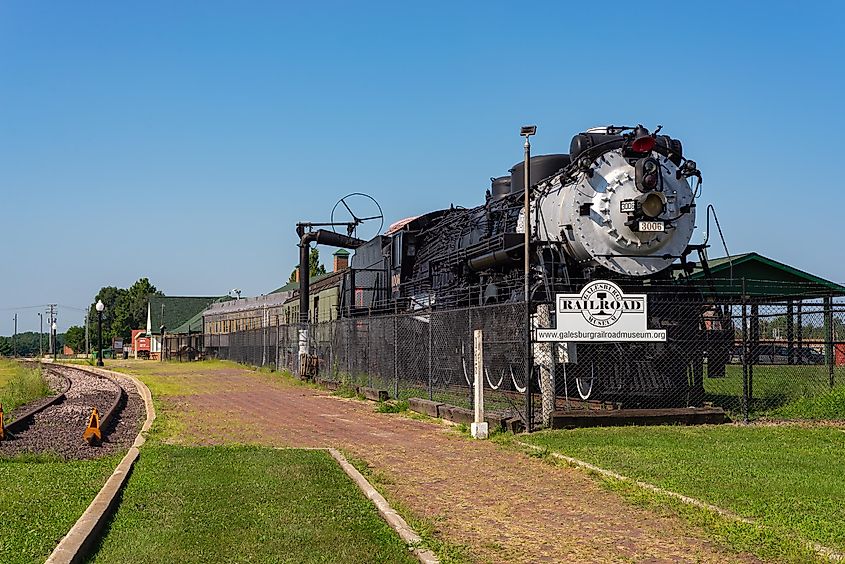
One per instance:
(92, 432)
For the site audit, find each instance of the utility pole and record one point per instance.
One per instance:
(87, 346)
(15, 338)
(52, 320)
(40, 335)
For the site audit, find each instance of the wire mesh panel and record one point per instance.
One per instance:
(754, 355)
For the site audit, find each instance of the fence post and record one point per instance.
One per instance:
(369, 351)
(755, 348)
(547, 366)
(264, 335)
(347, 331)
(800, 328)
(430, 355)
(744, 354)
(395, 356)
(829, 353)
(469, 326)
(790, 332)
(479, 426)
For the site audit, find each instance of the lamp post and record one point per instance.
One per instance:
(53, 328)
(161, 344)
(527, 131)
(100, 307)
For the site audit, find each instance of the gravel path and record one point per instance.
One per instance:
(58, 429)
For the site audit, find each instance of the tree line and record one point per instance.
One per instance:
(27, 344)
(125, 310)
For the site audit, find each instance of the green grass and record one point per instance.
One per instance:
(20, 385)
(789, 478)
(829, 405)
(773, 387)
(41, 498)
(245, 504)
(392, 406)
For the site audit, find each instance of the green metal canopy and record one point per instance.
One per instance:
(762, 277)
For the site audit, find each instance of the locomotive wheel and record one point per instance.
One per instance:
(585, 384)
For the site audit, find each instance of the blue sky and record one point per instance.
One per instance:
(183, 140)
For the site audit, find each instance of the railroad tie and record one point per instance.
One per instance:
(92, 433)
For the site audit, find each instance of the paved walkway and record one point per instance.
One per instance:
(505, 507)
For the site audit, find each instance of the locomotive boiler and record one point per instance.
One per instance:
(619, 206)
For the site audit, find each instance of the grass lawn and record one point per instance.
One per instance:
(40, 499)
(789, 478)
(245, 504)
(773, 387)
(20, 384)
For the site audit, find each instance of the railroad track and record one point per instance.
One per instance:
(56, 425)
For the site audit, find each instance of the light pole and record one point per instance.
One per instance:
(527, 131)
(100, 307)
(53, 328)
(40, 335)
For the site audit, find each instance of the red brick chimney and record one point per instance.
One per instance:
(296, 275)
(341, 259)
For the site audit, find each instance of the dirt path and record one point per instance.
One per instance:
(505, 507)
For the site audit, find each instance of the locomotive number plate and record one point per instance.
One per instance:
(652, 226)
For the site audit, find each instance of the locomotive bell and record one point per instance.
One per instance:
(643, 141)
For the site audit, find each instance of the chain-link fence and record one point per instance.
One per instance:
(781, 354)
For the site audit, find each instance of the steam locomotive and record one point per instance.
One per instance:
(620, 206)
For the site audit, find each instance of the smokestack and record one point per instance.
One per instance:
(341, 259)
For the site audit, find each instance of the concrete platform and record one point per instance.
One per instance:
(328, 384)
(621, 417)
(373, 394)
(463, 415)
(424, 406)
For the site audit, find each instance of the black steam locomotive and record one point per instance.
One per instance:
(620, 206)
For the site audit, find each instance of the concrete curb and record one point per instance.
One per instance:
(396, 522)
(75, 545)
(823, 551)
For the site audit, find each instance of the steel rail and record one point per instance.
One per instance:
(18, 423)
(107, 415)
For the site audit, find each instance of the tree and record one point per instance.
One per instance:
(75, 338)
(110, 296)
(126, 309)
(131, 309)
(315, 268)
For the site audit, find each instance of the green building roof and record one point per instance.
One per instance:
(193, 325)
(762, 277)
(175, 311)
(293, 286)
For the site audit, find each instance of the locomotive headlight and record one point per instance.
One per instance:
(647, 172)
(652, 205)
